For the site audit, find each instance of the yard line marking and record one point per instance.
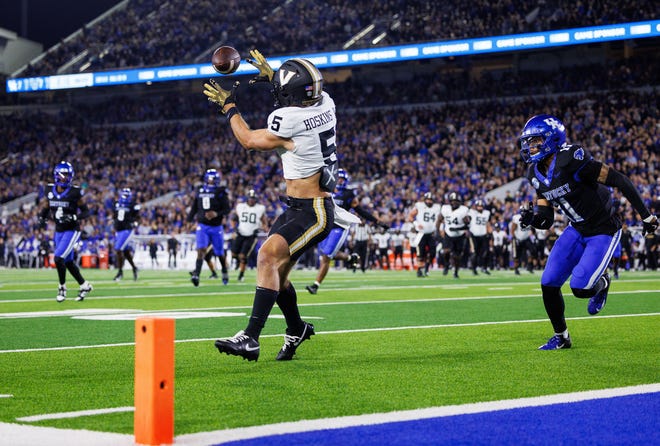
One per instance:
(244, 433)
(79, 413)
(360, 330)
(6, 396)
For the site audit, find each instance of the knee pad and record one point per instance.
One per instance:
(582, 293)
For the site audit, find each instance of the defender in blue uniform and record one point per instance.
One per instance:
(64, 205)
(210, 207)
(330, 247)
(567, 177)
(126, 216)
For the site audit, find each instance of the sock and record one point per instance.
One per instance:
(563, 334)
(553, 301)
(61, 269)
(287, 300)
(75, 272)
(198, 266)
(316, 282)
(264, 299)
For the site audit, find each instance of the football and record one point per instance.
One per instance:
(226, 60)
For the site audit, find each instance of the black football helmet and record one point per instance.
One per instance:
(297, 83)
(252, 195)
(454, 200)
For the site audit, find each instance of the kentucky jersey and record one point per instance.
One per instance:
(126, 215)
(426, 217)
(249, 218)
(586, 203)
(210, 200)
(63, 207)
(455, 225)
(312, 129)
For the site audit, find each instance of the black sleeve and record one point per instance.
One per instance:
(225, 208)
(362, 212)
(623, 183)
(84, 211)
(193, 210)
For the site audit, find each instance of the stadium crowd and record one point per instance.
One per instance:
(148, 33)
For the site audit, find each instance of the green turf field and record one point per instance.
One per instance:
(385, 341)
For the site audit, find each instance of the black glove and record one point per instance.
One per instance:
(649, 225)
(218, 95)
(43, 223)
(68, 218)
(526, 216)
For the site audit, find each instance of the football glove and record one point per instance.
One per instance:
(68, 218)
(649, 225)
(43, 223)
(218, 95)
(526, 216)
(266, 73)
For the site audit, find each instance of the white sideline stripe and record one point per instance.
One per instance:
(7, 396)
(79, 413)
(360, 330)
(19, 435)
(227, 435)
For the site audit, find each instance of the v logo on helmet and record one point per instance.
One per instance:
(285, 76)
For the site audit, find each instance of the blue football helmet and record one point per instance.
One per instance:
(545, 133)
(125, 196)
(211, 179)
(344, 177)
(63, 174)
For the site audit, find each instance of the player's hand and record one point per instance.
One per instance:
(218, 95)
(526, 216)
(649, 225)
(383, 225)
(68, 218)
(266, 73)
(210, 214)
(43, 223)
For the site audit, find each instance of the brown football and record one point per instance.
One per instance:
(226, 60)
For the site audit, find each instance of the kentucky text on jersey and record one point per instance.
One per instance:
(58, 204)
(319, 120)
(558, 192)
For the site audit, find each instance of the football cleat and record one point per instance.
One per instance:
(194, 278)
(239, 345)
(557, 342)
(135, 273)
(291, 343)
(597, 301)
(85, 288)
(61, 293)
(313, 288)
(241, 276)
(485, 271)
(119, 276)
(213, 275)
(225, 278)
(420, 273)
(354, 261)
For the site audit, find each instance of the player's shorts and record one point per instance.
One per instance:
(122, 239)
(304, 223)
(426, 245)
(243, 245)
(331, 245)
(65, 241)
(456, 245)
(214, 235)
(583, 258)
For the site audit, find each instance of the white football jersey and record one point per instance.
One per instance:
(426, 217)
(313, 132)
(479, 222)
(455, 225)
(519, 233)
(249, 218)
(499, 236)
(383, 239)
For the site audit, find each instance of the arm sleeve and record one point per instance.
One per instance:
(365, 214)
(193, 210)
(84, 211)
(623, 183)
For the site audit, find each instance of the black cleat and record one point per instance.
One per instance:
(135, 273)
(85, 289)
(239, 345)
(291, 343)
(119, 276)
(313, 288)
(194, 278)
(213, 275)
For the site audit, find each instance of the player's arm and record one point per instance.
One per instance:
(44, 213)
(368, 216)
(260, 139)
(84, 209)
(193, 211)
(541, 216)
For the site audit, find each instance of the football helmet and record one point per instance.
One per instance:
(297, 83)
(125, 196)
(479, 203)
(545, 133)
(63, 174)
(344, 177)
(454, 200)
(252, 195)
(211, 179)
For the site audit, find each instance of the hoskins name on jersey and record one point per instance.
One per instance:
(319, 120)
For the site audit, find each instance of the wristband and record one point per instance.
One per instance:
(231, 112)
